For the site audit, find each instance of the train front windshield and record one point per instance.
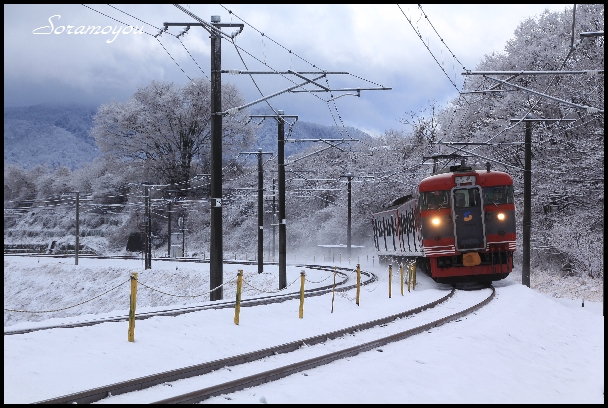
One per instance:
(498, 195)
(433, 200)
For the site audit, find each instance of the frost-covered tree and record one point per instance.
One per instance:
(567, 158)
(165, 130)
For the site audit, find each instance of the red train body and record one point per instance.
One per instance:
(458, 227)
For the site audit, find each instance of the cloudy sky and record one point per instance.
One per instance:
(45, 61)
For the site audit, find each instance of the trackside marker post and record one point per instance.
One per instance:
(237, 307)
(358, 282)
(409, 276)
(401, 274)
(131, 333)
(414, 272)
(302, 279)
(390, 280)
(333, 289)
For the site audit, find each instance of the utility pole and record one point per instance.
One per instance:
(77, 226)
(216, 251)
(183, 219)
(282, 217)
(148, 229)
(216, 244)
(349, 176)
(274, 218)
(169, 210)
(260, 213)
(260, 257)
(280, 118)
(527, 224)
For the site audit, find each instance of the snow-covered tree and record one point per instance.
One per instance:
(166, 130)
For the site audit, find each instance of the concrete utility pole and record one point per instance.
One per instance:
(349, 176)
(148, 229)
(280, 118)
(260, 257)
(216, 244)
(525, 267)
(216, 251)
(77, 227)
(169, 210)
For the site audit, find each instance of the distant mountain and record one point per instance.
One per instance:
(46, 134)
(59, 135)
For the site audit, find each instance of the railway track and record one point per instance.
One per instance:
(370, 335)
(341, 285)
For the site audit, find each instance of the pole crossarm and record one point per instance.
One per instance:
(589, 109)
(211, 28)
(245, 72)
(485, 158)
(478, 143)
(588, 72)
(345, 90)
(234, 110)
(273, 116)
(515, 120)
(592, 34)
(483, 91)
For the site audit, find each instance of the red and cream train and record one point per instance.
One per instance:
(458, 227)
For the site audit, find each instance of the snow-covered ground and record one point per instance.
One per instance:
(529, 345)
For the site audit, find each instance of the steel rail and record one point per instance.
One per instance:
(141, 383)
(281, 372)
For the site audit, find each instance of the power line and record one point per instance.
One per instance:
(427, 47)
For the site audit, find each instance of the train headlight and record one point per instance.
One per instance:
(501, 216)
(436, 221)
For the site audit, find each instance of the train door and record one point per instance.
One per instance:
(467, 210)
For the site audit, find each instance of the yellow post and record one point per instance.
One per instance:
(340, 258)
(237, 307)
(401, 274)
(314, 258)
(372, 260)
(302, 278)
(131, 333)
(414, 272)
(358, 282)
(235, 256)
(333, 289)
(203, 255)
(409, 276)
(390, 279)
(349, 260)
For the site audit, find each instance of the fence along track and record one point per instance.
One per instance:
(256, 301)
(141, 383)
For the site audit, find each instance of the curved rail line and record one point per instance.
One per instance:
(256, 301)
(141, 383)
(285, 371)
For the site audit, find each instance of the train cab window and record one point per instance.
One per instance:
(433, 200)
(498, 195)
(468, 197)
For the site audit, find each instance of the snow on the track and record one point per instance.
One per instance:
(524, 347)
